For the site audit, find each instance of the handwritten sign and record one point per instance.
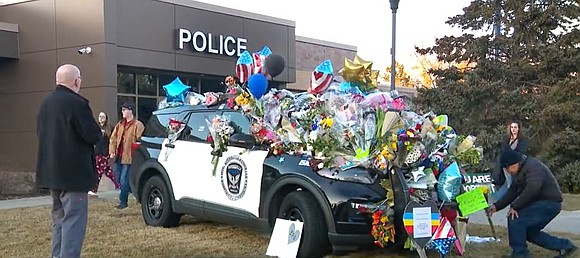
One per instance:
(476, 180)
(471, 202)
(285, 239)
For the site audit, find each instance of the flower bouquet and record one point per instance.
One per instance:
(220, 131)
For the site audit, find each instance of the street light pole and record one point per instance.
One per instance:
(394, 7)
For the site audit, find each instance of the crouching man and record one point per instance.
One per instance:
(535, 199)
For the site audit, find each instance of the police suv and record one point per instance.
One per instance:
(251, 187)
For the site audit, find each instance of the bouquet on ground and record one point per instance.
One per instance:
(220, 131)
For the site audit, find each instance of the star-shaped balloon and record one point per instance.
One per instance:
(176, 90)
(359, 71)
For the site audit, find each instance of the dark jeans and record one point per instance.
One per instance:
(529, 227)
(69, 222)
(123, 171)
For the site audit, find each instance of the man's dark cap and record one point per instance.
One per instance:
(509, 158)
(128, 105)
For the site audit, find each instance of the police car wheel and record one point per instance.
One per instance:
(301, 206)
(156, 204)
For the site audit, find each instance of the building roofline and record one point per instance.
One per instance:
(229, 11)
(325, 43)
(9, 27)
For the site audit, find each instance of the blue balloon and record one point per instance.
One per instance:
(324, 67)
(258, 85)
(176, 90)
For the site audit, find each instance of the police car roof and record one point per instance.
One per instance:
(179, 109)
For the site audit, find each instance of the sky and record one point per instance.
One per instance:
(365, 24)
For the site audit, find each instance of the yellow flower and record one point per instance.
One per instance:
(384, 219)
(327, 122)
(485, 189)
(394, 146)
(242, 100)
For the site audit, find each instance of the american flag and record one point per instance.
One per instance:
(259, 61)
(319, 81)
(243, 71)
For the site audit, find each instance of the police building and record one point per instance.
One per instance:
(127, 50)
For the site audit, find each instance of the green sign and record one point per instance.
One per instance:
(471, 202)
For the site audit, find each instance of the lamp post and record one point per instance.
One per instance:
(394, 7)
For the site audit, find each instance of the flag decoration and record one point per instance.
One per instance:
(321, 77)
(260, 59)
(244, 66)
(443, 238)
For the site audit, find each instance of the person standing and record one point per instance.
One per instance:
(67, 134)
(126, 132)
(535, 199)
(102, 152)
(515, 141)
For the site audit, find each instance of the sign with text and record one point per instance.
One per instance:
(211, 43)
(475, 180)
(471, 202)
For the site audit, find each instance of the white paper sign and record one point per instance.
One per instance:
(285, 239)
(422, 222)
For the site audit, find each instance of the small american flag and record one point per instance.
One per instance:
(243, 71)
(259, 61)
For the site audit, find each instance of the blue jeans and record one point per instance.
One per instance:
(122, 171)
(529, 227)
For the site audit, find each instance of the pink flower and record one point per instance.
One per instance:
(231, 103)
(399, 104)
(210, 98)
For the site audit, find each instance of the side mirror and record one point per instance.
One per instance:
(242, 140)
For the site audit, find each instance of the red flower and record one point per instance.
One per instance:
(418, 127)
(209, 139)
(411, 190)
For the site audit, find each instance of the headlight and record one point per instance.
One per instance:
(356, 175)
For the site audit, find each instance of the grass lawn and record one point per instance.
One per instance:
(25, 232)
(571, 202)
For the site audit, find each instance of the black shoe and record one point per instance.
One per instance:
(567, 252)
(120, 207)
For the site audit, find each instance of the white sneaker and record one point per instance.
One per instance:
(91, 193)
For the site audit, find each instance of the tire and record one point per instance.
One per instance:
(301, 206)
(156, 204)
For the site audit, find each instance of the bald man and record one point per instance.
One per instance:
(66, 133)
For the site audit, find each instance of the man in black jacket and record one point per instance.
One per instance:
(67, 133)
(535, 199)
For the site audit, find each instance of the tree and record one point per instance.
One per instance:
(530, 72)
(401, 77)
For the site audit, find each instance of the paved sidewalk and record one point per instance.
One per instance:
(45, 200)
(566, 221)
(106, 191)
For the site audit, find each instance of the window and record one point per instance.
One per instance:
(147, 84)
(196, 129)
(239, 122)
(212, 84)
(145, 90)
(126, 83)
(146, 107)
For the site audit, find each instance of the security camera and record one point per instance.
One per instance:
(86, 50)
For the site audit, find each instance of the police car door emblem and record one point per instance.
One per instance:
(234, 177)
